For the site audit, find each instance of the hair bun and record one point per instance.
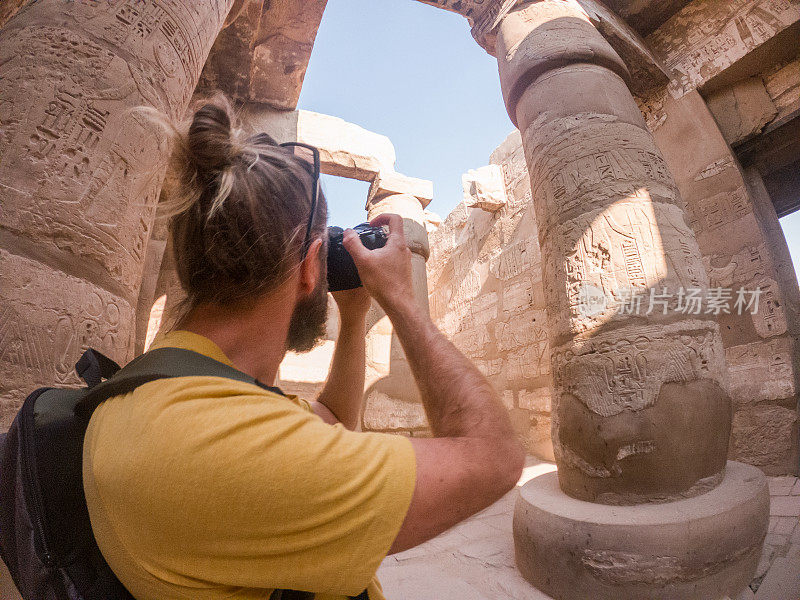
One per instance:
(209, 140)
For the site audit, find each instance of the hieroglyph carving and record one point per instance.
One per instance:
(624, 371)
(41, 342)
(80, 170)
(705, 38)
(611, 218)
(71, 152)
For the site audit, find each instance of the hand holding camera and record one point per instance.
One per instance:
(385, 270)
(342, 271)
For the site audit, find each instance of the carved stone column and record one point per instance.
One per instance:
(641, 417)
(391, 398)
(80, 173)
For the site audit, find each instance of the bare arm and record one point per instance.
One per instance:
(475, 457)
(341, 398)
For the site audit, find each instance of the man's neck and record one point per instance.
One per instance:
(253, 338)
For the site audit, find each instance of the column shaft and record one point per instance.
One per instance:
(640, 413)
(392, 399)
(80, 172)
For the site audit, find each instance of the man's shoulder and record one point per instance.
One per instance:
(206, 390)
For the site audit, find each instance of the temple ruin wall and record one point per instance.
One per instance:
(485, 272)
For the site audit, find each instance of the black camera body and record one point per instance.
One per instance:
(342, 272)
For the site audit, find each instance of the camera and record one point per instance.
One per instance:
(342, 272)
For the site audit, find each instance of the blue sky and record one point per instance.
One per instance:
(413, 73)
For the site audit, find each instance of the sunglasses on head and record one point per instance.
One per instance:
(311, 155)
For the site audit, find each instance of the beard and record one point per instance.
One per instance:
(308, 324)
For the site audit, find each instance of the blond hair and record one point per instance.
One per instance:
(237, 206)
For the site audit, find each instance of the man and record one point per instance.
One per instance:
(208, 488)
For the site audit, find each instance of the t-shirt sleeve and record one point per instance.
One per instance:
(281, 499)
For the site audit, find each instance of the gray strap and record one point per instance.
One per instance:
(162, 363)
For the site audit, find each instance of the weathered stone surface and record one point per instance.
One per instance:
(473, 10)
(263, 54)
(47, 319)
(705, 38)
(484, 188)
(646, 15)
(743, 248)
(80, 171)
(645, 69)
(346, 150)
(392, 398)
(761, 371)
(766, 435)
(742, 110)
(230, 62)
(8, 9)
(782, 83)
(486, 295)
(610, 218)
(702, 547)
(383, 413)
(432, 221)
(390, 183)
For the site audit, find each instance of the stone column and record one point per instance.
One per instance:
(392, 400)
(641, 417)
(743, 247)
(80, 172)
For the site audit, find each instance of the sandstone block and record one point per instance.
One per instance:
(263, 53)
(537, 400)
(384, 413)
(676, 40)
(389, 183)
(538, 440)
(766, 435)
(761, 371)
(742, 109)
(484, 188)
(346, 150)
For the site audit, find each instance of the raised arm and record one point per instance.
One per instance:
(342, 396)
(475, 456)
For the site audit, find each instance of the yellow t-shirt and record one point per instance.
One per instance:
(206, 488)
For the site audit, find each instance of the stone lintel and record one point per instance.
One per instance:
(389, 183)
(346, 150)
(742, 110)
(705, 39)
(645, 16)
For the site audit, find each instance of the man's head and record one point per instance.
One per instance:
(239, 210)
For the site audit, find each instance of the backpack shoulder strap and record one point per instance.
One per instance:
(161, 363)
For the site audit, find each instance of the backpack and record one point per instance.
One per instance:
(46, 538)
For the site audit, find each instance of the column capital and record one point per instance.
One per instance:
(388, 184)
(484, 25)
(543, 36)
(535, 37)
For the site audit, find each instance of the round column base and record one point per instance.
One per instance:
(701, 548)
